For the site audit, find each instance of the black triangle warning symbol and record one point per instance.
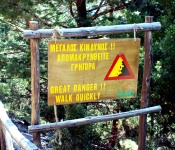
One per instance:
(119, 69)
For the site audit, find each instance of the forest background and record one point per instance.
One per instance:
(15, 77)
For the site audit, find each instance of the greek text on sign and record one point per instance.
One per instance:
(89, 70)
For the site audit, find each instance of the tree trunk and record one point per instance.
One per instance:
(113, 140)
(82, 13)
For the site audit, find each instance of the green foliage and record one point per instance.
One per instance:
(78, 138)
(163, 74)
(162, 85)
(128, 145)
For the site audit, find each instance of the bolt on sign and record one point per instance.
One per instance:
(92, 69)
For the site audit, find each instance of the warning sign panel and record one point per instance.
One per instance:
(120, 69)
(89, 70)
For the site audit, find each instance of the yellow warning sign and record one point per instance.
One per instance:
(117, 68)
(90, 70)
(120, 69)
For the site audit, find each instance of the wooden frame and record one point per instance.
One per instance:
(91, 31)
(146, 27)
(91, 119)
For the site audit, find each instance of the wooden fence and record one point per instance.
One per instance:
(9, 130)
(10, 137)
(34, 34)
(91, 119)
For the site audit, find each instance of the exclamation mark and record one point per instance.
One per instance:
(112, 46)
(103, 86)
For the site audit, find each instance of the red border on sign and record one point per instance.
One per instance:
(130, 76)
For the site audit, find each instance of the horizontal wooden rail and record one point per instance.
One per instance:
(91, 31)
(91, 119)
(14, 132)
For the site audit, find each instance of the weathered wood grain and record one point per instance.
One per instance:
(91, 31)
(145, 84)
(35, 84)
(91, 119)
(14, 132)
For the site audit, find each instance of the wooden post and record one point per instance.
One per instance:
(8, 139)
(9, 131)
(145, 85)
(35, 84)
(2, 138)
